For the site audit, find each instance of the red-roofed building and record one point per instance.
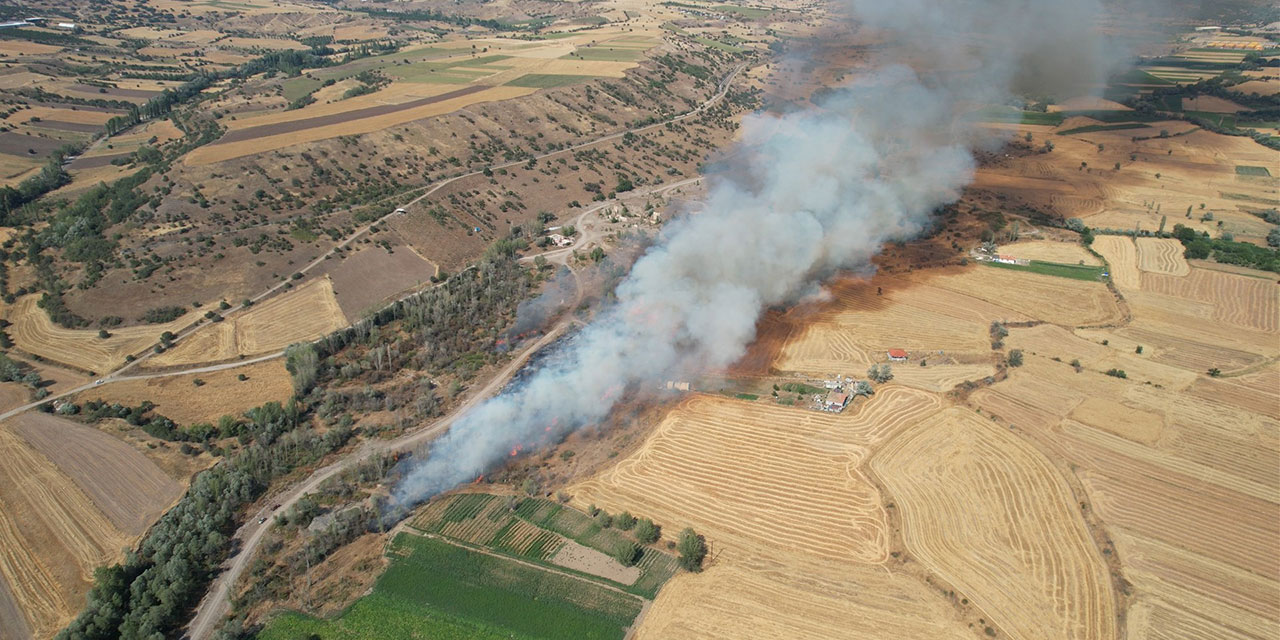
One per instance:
(897, 355)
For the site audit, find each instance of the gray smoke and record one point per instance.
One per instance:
(810, 193)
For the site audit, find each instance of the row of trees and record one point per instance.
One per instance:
(149, 594)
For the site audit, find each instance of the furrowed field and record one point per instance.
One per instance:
(446, 591)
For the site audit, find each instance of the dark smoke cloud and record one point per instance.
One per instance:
(813, 192)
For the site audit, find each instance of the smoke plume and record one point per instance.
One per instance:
(811, 192)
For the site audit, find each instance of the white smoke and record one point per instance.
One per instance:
(812, 192)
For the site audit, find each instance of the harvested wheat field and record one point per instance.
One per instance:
(799, 534)
(221, 392)
(127, 487)
(1163, 256)
(859, 326)
(33, 332)
(1051, 299)
(305, 313)
(51, 537)
(1050, 251)
(804, 466)
(990, 515)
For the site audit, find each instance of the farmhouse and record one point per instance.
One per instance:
(559, 240)
(835, 401)
(1006, 259)
(897, 355)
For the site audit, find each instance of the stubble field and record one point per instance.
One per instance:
(32, 331)
(304, 313)
(71, 499)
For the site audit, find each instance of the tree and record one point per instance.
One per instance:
(880, 373)
(104, 334)
(692, 549)
(569, 231)
(647, 532)
(597, 254)
(1015, 357)
(862, 388)
(1138, 350)
(1027, 137)
(303, 364)
(624, 521)
(1215, 372)
(1273, 237)
(626, 552)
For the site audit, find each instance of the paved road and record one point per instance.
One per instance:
(215, 605)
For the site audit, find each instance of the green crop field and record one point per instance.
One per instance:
(1073, 271)
(1247, 170)
(1224, 120)
(716, 44)
(606, 54)
(434, 589)
(483, 521)
(1104, 127)
(547, 80)
(1138, 76)
(746, 12)
(1015, 116)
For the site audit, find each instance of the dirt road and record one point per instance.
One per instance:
(215, 604)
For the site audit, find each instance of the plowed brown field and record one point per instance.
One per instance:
(51, 536)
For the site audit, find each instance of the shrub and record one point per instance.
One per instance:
(1117, 373)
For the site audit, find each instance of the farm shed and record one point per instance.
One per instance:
(897, 355)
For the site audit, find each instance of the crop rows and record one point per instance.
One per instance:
(989, 514)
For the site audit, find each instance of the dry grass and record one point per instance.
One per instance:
(77, 116)
(33, 332)
(861, 325)
(222, 393)
(989, 514)
(305, 313)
